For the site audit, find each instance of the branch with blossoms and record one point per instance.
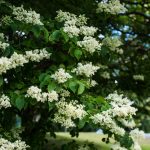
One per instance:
(60, 94)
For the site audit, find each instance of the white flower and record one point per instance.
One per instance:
(117, 146)
(61, 76)
(118, 99)
(119, 51)
(6, 20)
(120, 110)
(64, 16)
(37, 55)
(17, 145)
(88, 69)
(136, 134)
(93, 83)
(90, 44)
(105, 75)
(124, 111)
(67, 17)
(106, 120)
(2, 36)
(112, 7)
(71, 30)
(136, 146)
(4, 101)
(113, 44)
(138, 77)
(103, 66)
(64, 93)
(67, 112)
(121, 105)
(5, 64)
(36, 93)
(127, 123)
(26, 16)
(19, 59)
(52, 96)
(88, 31)
(3, 45)
(82, 20)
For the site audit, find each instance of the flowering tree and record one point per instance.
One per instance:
(51, 73)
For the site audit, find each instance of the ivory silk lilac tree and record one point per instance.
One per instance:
(49, 69)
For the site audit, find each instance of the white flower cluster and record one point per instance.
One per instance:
(103, 66)
(113, 44)
(71, 30)
(4, 101)
(66, 16)
(90, 44)
(138, 77)
(88, 31)
(64, 93)
(105, 75)
(106, 120)
(40, 96)
(136, 146)
(19, 59)
(92, 83)
(128, 123)
(61, 76)
(68, 112)
(120, 109)
(86, 69)
(37, 55)
(6, 20)
(26, 16)
(71, 22)
(3, 45)
(75, 26)
(136, 135)
(111, 7)
(117, 146)
(2, 36)
(17, 145)
(121, 105)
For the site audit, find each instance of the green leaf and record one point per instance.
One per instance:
(73, 86)
(36, 31)
(105, 107)
(1, 80)
(81, 124)
(51, 86)
(45, 81)
(42, 76)
(55, 36)
(100, 99)
(65, 36)
(46, 34)
(78, 53)
(20, 102)
(81, 88)
(51, 105)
